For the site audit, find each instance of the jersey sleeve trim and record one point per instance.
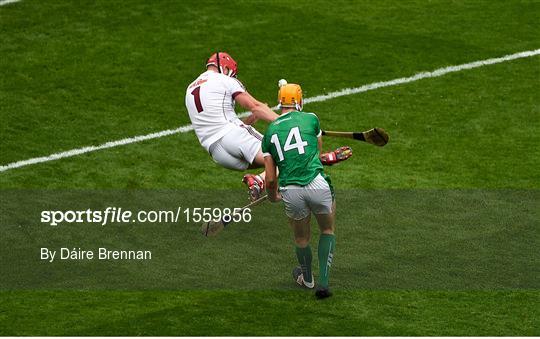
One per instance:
(235, 86)
(239, 83)
(235, 94)
(320, 133)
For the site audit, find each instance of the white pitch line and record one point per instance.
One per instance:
(5, 2)
(423, 75)
(347, 91)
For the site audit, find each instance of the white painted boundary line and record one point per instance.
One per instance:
(5, 2)
(436, 73)
(347, 91)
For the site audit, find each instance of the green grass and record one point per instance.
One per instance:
(468, 138)
(434, 216)
(272, 313)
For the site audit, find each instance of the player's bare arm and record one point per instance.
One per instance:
(250, 119)
(257, 108)
(271, 179)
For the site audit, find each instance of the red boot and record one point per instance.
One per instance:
(255, 186)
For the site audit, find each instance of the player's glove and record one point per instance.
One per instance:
(340, 154)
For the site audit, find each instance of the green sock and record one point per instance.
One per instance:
(327, 245)
(304, 258)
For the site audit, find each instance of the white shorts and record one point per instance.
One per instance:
(237, 149)
(300, 201)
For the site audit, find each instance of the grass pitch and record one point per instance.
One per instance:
(77, 74)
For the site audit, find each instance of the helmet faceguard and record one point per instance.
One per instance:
(290, 96)
(222, 60)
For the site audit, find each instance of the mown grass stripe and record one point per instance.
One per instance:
(347, 91)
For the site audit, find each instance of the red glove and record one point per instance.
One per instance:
(340, 154)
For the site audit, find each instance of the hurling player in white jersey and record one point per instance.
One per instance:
(232, 143)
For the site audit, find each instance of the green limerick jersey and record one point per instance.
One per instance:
(292, 141)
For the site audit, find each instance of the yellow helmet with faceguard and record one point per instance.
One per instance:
(290, 96)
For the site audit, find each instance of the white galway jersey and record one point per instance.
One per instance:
(210, 104)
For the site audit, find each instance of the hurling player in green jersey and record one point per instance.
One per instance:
(292, 144)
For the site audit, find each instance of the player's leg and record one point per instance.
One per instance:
(322, 203)
(258, 161)
(241, 149)
(302, 235)
(250, 146)
(299, 220)
(238, 150)
(225, 158)
(241, 143)
(325, 251)
(255, 184)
